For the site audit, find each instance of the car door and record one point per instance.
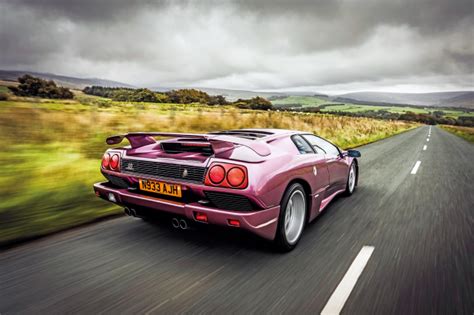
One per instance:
(315, 164)
(336, 164)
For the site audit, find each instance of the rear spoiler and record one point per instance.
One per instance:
(219, 143)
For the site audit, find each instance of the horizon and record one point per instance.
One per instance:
(302, 91)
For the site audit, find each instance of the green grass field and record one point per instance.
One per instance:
(51, 150)
(310, 101)
(305, 101)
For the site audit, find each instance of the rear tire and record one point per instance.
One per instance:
(351, 180)
(292, 218)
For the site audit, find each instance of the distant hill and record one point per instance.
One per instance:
(459, 99)
(464, 99)
(230, 95)
(66, 81)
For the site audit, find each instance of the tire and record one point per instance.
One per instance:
(351, 180)
(292, 218)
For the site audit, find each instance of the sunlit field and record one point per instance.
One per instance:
(51, 150)
(330, 106)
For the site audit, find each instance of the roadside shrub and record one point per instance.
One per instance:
(3, 96)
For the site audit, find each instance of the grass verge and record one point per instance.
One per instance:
(463, 132)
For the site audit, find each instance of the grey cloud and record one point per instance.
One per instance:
(242, 44)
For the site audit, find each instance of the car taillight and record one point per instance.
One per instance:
(227, 175)
(235, 176)
(106, 160)
(114, 162)
(216, 174)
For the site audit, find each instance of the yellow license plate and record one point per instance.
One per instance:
(160, 187)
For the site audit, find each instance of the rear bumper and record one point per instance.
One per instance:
(262, 222)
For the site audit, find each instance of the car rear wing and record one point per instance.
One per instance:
(219, 143)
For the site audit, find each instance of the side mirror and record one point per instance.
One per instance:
(353, 153)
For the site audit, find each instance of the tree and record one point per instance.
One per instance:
(33, 86)
(260, 103)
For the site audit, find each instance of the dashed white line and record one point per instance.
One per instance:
(341, 294)
(424, 147)
(428, 139)
(415, 168)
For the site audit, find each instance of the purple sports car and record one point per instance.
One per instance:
(270, 182)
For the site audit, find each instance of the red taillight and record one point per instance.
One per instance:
(106, 160)
(114, 162)
(200, 216)
(235, 176)
(227, 175)
(216, 174)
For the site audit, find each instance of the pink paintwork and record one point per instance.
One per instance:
(271, 158)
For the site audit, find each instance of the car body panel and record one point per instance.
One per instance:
(272, 162)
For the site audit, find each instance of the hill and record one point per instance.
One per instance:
(464, 99)
(66, 81)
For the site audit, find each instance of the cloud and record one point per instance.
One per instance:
(245, 44)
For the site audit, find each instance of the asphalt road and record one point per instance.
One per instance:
(420, 225)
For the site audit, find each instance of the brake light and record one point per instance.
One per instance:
(235, 176)
(114, 162)
(106, 160)
(216, 174)
(227, 175)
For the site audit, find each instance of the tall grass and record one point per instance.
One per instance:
(51, 150)
(463, 132)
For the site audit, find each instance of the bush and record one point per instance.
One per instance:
(3, 96)
(254, 103)
(32, 86)
(187, 96)
(126, 94)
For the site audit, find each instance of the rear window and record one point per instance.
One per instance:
(301, 144)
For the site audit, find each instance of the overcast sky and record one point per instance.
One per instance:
(326, 46)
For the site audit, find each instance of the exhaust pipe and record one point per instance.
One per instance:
(183, 224)
(127, 211)
(133, 213)
(175, 223)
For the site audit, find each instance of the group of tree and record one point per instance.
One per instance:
(254, 103)
(33, 86)
(180, 96)
(126, 94)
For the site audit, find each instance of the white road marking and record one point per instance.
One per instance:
(415, 168)
(424, 147)
(428, 139)
(341, 294)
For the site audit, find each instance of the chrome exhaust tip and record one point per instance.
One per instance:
(183, 224)
(127, 211)
(175, 223)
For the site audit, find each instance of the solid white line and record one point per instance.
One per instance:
(415, 168)
(424, 147)
(341, 294)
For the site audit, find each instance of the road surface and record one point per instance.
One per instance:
(416, 219)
